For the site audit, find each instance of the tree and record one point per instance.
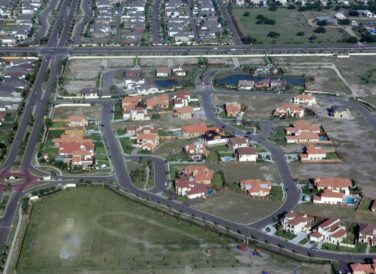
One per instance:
(353, 13)
(249, 40)
(322, 23)
(273, 34)
(291, 7)
(344, 22)
(300, 33)
(246, 14)
(320, 30)
(352, 40)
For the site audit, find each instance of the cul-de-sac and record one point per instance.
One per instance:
(187, 136)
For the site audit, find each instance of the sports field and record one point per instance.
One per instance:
(92, 230)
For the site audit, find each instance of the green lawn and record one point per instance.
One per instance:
(285, 234)
(287, 23)
(276, 193)
(361, 248)
(126, 144)
(92, 230)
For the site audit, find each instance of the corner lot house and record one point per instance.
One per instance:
(184, 113)
(201, 174)
(359, 268)
(77, 121)
(245, 84)
(190, 189)
(296, 222)
(232, 109)
(147, 141)
(237, 142)
(246, 154)
(256, 187)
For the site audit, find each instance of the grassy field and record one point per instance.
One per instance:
(345, 213)
(287, 23)
(92, 230)
(247, 209)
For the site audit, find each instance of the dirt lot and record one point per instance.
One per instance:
(83, 69)
(345, 213)
(247, 209)
(258, 107)
(355, 143)
(74, 86)
(90, 113)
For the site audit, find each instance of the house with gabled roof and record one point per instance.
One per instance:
(295, 222)
(330, 231)
(256, 187)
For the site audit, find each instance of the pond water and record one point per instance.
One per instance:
(166, 83)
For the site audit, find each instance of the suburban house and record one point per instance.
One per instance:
(138, 114)
(78, 153)
(340, 112)
(190, 189)
(295, 222)
(246, 84)
(373, 206)
(201, 174)
(263, 84)
(77, 121)
(147, 141)
(213, 133)
(335, 184)
(163, 72)
(304, 99)
(367, 234)
(89, 93)
(359, 268)
(256, 187)
(233, 109)
(179, 71)
(194, 130)
(312, 153)
(184, 113)
(246, 154)
(330, 231)
(329, 197)
(302, 126)
(196, 151)
(130, 102)
(237, 142)
(160, 101)
(181, 99)
(303, 138)
(289, 110)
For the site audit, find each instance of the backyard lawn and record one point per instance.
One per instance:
(287, 24)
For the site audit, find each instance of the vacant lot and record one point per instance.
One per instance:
(258, 107)
(92, 112)
(287, 24)
(355, 142)
(92, 230)
(247, 209)
(83, 69)
(345, 213)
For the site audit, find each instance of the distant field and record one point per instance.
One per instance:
(92, 230)
(288, 24)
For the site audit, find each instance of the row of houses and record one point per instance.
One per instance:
(330, 230)
(207, 21)
(102, 25)
(133, 21)
(14, 82)
(19, 20)
(179, 27)
(74, 149)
